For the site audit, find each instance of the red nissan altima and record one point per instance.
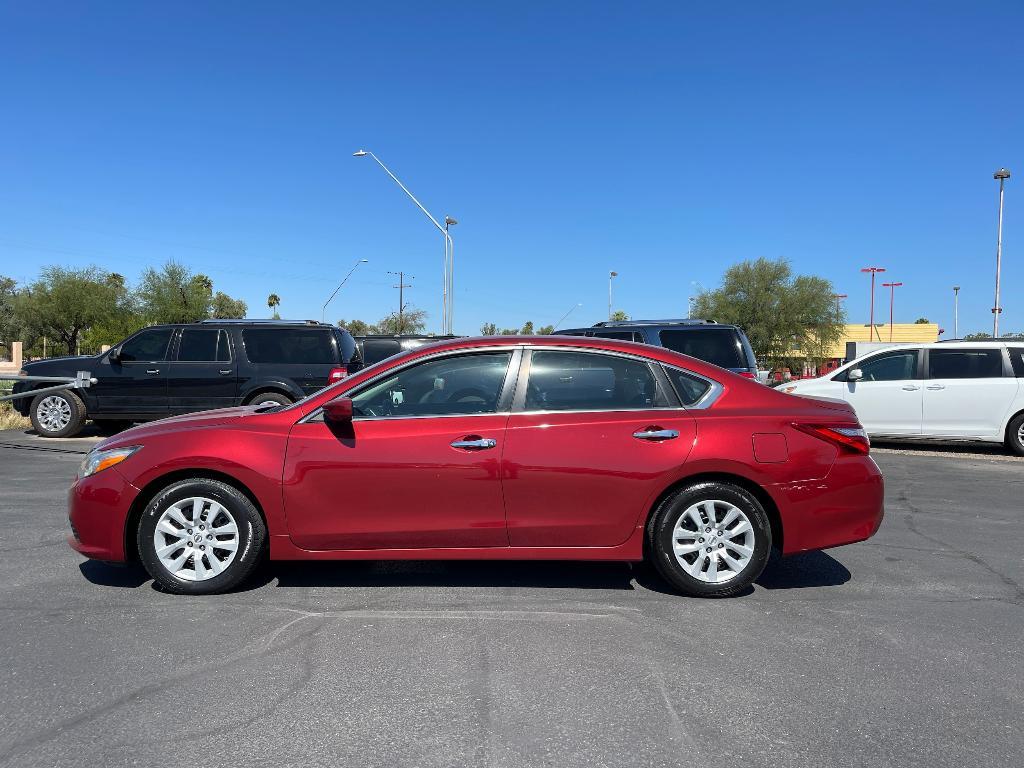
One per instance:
(506, 448)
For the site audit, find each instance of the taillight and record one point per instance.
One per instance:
(337, 374)
(852, 438)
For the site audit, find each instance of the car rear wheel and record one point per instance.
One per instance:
(710, 539)
(200, 536)
(57, 414)
(1015, 435)
(270, 398)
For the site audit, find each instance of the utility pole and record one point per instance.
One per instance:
(402, 285)
(839, 308)
(1002, 174)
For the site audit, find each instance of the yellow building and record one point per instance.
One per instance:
(900, 333)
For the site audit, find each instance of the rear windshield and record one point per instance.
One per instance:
(718, 346)
(299, 346)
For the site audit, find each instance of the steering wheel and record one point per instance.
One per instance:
(469, 395)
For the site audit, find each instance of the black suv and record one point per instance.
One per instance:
(165, 370)
(723, 345)
(372, 349)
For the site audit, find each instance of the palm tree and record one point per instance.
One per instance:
(274, 301)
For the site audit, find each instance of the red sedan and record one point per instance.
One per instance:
(491, 448)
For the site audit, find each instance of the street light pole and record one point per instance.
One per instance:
(450, 288)
(323, 313)
(871, 322)
(446, 320)
(572, 309)
(610, 276)
(956, 311)
(1002, 174)
(892, 300)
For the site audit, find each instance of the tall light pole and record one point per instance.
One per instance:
(572, 309)
(839, 310)
(892, 300)
(956, 311)
(323, 313)
(871, 322)
(1002, 174)
(449, 249)
(450, 288)
(610, 276)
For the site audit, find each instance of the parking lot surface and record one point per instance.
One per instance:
(905, 650)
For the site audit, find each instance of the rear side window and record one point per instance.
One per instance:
(203, 345)
(965, 363)
(718, 346)
(580, 381)
(297, 346)
(1017, 359)
(691, 389)
(147, 346)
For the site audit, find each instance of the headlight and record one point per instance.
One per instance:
(97, 461)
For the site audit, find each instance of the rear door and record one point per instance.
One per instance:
(968, 393)
(591, 436)
(136, 383)
(203, 374)
(888, 397)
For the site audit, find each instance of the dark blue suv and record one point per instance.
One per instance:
(723, 345)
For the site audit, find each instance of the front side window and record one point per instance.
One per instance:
(295, 346)
(965, 364)
(892, 366)
(463, 385)
(203, 345)
(583, 381)
(148, 346)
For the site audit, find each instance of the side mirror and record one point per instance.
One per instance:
(855, 374)
(338, 411)
(114, 354)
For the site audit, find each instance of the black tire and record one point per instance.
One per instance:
(252, 536)
(66, 402)
(1015, 434)
(672, 509)
(270, 397)
(111, 426)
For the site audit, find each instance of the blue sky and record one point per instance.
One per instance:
(665, 141)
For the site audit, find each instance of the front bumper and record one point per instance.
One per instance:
(844, 507)
(98, 509)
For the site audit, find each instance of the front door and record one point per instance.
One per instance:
(203, 374)
(135, 384)
(419, 467)
(888, 397)
(968, 392)
(593, 438)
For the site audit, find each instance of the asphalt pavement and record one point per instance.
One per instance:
(905, 650)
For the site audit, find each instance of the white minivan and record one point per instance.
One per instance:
(958, 390)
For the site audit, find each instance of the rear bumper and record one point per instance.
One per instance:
(97, 510)
(845, 507)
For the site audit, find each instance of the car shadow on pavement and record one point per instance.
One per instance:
(110, 575)
(809, 569)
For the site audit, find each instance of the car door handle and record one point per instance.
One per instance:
(473, 443)
(656, 434)
(152, 371)
(910, 387)
(225, 373)
(936, 386)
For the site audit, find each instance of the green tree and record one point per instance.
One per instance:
(64, 303)
(273, 302)
(977, 336)
(546, 330)
(488, 329)
(783, 315)
(527, 328)
(175, 295)
(358, 327)
(619, 315)
(412, 320)
(223, 307)
(8, 329)
(124, 320)
(922, 321)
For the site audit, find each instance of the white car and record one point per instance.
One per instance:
(958, 390)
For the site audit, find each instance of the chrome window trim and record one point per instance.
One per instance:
(709, 397)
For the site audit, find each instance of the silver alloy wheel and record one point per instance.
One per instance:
(1020, 435)
(265, 403)
(713, 541)
(196, 538)
(54, 413)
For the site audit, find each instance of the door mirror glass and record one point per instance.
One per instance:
(338, 411)
(856, 374)
(114, 355)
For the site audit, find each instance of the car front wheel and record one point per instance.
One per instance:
(710, 539)
(1015, 435)
(200, 536)
(57, 414)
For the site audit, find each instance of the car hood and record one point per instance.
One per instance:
(69, 365)
(185, 423)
